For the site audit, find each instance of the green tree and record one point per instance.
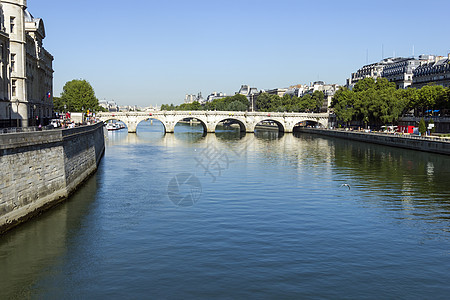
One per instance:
(318, 98)
(422, 126)
(429, 97)
(78, 95)
(408, 97)
(263, 102)
(383, 84)
(237, 105)
(309, 103)
(58, 104)
(364, 84)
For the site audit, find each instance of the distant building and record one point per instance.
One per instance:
(435, 71)
(328, 91)
(151, 108)
(278, 91)
(215, 95)
(297, 90)
(126, 108)
(26, 79)
(251, 93)
(111, 106)
(190, 98)
(372, 70)
(400, 71)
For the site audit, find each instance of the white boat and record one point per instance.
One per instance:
(114, 126)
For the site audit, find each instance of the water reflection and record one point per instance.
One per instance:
(27, 252)
(413, 182)
(229, 132)
(380, 174)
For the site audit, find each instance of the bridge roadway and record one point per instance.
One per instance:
(209, 119)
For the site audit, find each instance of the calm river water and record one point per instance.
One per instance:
(229, 216)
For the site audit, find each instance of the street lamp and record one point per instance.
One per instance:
(10, 113)
(17, 104)
(34, 114)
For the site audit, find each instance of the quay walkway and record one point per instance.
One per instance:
(433, 144)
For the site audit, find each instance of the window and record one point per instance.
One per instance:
(14, 88)
(13, 62)
(12, 23)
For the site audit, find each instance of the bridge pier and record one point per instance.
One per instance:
(131, 126)
(210, 127)
(169, 127)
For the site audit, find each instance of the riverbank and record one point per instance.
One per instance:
(428, 144)
(41, 169)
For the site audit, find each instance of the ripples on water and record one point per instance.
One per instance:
(271, 221)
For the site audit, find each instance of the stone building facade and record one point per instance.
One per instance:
(26, 79)
(407, 72)
(328, 91)
(400, 71)
(372, 70)
(436, 71)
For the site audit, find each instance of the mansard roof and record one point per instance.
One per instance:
(34, 24)
(28, 16)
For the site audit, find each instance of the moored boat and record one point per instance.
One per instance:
(114, 126)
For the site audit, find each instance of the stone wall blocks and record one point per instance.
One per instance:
(41, 165)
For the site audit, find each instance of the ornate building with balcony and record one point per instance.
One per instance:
(400, 71)
(372, 70)
(433, 72)
(26, 79)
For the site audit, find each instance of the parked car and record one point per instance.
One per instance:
(55, 123)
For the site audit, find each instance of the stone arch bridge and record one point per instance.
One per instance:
(209, 119)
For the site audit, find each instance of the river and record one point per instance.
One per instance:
(231, 215)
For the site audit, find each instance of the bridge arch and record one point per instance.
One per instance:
(237, 120)
(151, 118)
(310, 123)
(202, 121)
(106, 120)
(268, 121)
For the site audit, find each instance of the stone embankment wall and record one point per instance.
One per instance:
(41, 169)
(434, 145)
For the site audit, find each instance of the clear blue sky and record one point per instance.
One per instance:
(155, 52)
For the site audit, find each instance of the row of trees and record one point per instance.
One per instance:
(379, 102)
(78, 95)
(264, 102)
(234, 103)
(307, 103)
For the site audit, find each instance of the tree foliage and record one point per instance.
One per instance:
(78, 95)
(234, 103)
(422, 126)
(379, 102)
(58, 104)
(307, 103)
